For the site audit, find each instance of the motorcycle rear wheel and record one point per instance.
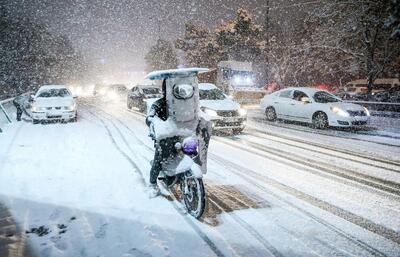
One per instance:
(193, 194)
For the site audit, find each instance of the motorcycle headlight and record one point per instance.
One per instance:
(366, 111)
(242, 112)
(210, 112)
(339, 111)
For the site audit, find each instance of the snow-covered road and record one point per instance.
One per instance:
(78, 189)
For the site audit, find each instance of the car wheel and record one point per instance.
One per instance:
(320, 120)
(35, 121)
(130, 105)
(270, 113)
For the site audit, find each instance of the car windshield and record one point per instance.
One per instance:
(118, 88)
(151, 91)
(213, 94)
(62, 92)
(325, 97)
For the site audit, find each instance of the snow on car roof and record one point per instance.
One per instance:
(309, 90)
(53, 86)
(162, 74)
(147, 86)
(207, 86)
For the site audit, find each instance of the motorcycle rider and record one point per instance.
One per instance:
(165, 148)
(159, 109)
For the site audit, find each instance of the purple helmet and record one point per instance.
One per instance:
(190, 145)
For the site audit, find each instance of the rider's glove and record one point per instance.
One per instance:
(151, 132)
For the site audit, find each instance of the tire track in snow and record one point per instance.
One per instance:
(255, 234)
(219, 203)
(113, 141)
(191, 223)
(359, 221)
(312, 217)
(11, 143)
(322, 149)
(271, 249)
(264, 121)
(255, 182)
(320, 168)
(239, 170)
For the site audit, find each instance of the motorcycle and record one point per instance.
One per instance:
(184, 151)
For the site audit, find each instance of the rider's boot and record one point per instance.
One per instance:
(154, 190)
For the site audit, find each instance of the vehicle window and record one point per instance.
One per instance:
(325, 97)
(351, 89)
(285, 94)
(225, 73)
(63, 92)
(214, 94)
(297, 95)
(121, 89)
(151, 91)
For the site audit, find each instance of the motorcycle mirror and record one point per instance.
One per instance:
(178, 146)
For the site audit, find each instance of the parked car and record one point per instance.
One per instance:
(143, 96)
(53, 103)
(383, 96)
(395, 97)
(225, 113)
(344, 95)
(320, 108)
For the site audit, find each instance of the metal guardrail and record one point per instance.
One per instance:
(4, 110)
(370, 102)
(379, 106)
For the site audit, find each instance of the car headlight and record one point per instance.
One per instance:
(70, 108)
(366, 111)
(237, 80)
(210, 112)
(37, 109)
(102, 91)
(242, 112)
(112, 95)
(339, 111)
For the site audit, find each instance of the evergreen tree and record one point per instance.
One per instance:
(161, 56)
(200, 46)
(30, 56)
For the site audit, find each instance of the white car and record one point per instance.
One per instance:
(53, 103)
(225, 113)
(310, 105)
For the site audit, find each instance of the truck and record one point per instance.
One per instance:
(236, 79)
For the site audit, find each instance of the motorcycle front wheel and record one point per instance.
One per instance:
(193, 194)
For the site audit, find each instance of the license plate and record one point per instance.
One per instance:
(230, 119)
(53, 116)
